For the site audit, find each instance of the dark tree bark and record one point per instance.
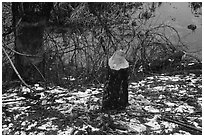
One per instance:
(29, 21)
(115, 95)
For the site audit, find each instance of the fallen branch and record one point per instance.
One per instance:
(181, 124)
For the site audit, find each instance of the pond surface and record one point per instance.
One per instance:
(179, 15)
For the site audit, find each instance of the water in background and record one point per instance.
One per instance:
(179, 15)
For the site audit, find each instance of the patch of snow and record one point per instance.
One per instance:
(80, 94)
(64, 78)
(36, 85)
(8, 95)
(141, 97)
(185, 108)
(54, 127)
(131, 100)
(41, 133)
(23, 123)
(56, 91)
(169, 126)
(174, 88)
(145, 102)
(138, 128)
(153, 123)
(192, 74)
(31, 125)
(175, 79)
(60, 101)
(4, 126)
(95, 92)
(53, 118)
(96, 99)
(200, 99)
(131, 96)
(19, 108)
(88, 91)
(72, 79)
(167, 109)
(151, 109)
(134, 120)
(39, 88)
(142, 82)
(170, 86)
(25, 89)
(194, 80)
(132, 87)
(163, 78)
(159, 88)
(10, 125)
(150, 78)
(182, 91)
(67, 131)
(161, 97)
(81, 101)
(184, 132)
(196, 124)
(22, 133)
(150, 82)
(100, 89)
(133, 83)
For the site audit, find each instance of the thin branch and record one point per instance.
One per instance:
(39, 71)
(19, 76)
(22, 54)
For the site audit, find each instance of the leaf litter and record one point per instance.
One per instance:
(163, 105)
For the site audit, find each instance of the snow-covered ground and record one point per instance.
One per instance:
(158, 105)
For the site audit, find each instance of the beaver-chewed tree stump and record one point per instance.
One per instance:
(115, 94)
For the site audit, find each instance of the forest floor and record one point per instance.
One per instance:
(163, 105)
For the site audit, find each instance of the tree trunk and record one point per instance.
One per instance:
(115, 95)
(29, 21)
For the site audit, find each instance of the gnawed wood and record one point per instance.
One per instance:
(116, 91)
(118, 61)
